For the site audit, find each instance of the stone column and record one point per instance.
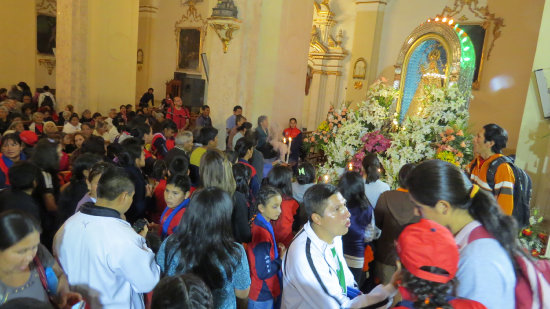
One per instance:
(366, 44)
(96, 53)
(147, 19)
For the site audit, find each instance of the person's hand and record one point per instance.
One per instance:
(144, 231)
(397, 276)
(67, 299)
(149, 190)
(282, 249)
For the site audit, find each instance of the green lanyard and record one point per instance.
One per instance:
(340, 271)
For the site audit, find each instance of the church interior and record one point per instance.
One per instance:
(285, 58)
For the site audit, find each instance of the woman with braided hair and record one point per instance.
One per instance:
(486, 238)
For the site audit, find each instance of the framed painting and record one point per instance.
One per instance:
(45, 34)
(478, 34)
(189, 49)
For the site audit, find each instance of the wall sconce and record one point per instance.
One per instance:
(48, 63)
(224, 21)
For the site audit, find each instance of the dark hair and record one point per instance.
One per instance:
(352, 188)
(246, 125)
(315, 198)
(96, 114)
(266, 192)
(14, 137)
(242, 146)
(204, 107)
(292, 119)
(94, 145)
(429, 294)
(83, 162)
(150, 89)
(74, 115)
(237, 107)
(168, 124)
(281, 178)
(494, 133)
(239, 118)
(113, 182)
(404, 173)
(98, 169)
(261, 119)
(207, 134)
(44, 155)
(204, 253)
(185, 291)
(22, 175)
(308, 175)
(178, 164)
(128, 106)
(242, 174)
(138, 129)
(14, 226)
(88, 124)
(131, 150)
(122, 106)
(371, 165)
(180, 181)
(435, 180)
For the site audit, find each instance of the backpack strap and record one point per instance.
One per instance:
(479, 233)
(493, 167)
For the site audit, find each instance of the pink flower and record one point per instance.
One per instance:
(383, 79)
(449, 131)
(460, 133)
(325, 139)
(312, 139)
(451, 138)
(460, 155)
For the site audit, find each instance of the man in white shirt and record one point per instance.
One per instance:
(315, 274)
(45, 94)
(103, 257)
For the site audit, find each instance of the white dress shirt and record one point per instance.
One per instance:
(106, 260)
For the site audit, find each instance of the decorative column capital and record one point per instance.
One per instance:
(371, 5)
(148, 6)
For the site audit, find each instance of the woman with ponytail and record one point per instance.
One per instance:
(485, 236)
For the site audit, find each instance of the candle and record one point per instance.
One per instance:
(350, 166)
(288, 149)
(325, 178)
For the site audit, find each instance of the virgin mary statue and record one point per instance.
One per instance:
(431, 76)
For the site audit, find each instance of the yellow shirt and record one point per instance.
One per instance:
(196, 156)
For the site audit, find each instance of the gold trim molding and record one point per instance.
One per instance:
(48, 63)
(47, 7)
(224, 28)
(481, 12)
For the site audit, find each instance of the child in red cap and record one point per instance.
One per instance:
(429, 256)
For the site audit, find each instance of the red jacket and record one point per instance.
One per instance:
(265, 264)
(283, 226)
(179, 116)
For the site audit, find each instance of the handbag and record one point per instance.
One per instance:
(372, 232)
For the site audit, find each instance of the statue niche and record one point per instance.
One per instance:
(431, 72)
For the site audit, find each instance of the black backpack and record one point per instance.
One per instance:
(522, 189)
(47, 102)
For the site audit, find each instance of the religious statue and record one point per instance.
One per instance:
(431, 75)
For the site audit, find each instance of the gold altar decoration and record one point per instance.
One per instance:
(360, 68)
(441, 32)
(191, 19)
(48, 63)
(224, 28)
(491, 22)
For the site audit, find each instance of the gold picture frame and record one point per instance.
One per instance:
(478, 33)
(189, 46)
(360, 68)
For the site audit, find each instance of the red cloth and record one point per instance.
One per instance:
(459, 303)
(290, 132)
(170, 144)
(175, 221)
(179, 116)
(64, 162)
(160, 203)
(282, 227)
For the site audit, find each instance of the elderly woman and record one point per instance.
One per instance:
(27, 269)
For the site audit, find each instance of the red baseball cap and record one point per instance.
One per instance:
(28, 137)
(428, 243)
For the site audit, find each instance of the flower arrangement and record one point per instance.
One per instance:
(438, 130)
(326, 132)
(532, 238)
(373, 142)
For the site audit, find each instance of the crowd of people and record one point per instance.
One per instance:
(139, 209)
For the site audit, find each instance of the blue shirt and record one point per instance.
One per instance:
(224, 298)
